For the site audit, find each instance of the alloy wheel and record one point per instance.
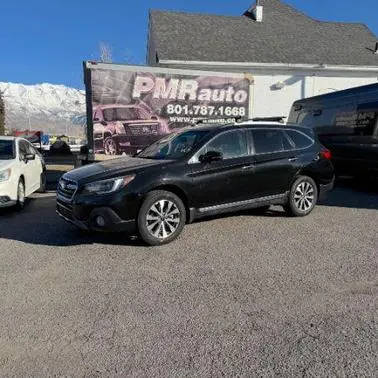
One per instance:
(110, 148)
(163, 219)
(304, 196)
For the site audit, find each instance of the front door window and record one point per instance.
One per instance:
(231, 145)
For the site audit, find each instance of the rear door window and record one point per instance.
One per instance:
(299, 140)
(232, 145)
(268, 141)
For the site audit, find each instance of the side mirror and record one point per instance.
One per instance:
(211, 156)
(29, 157)
(96, 119)
(104, 123)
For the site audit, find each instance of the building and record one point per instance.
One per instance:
(289, 54)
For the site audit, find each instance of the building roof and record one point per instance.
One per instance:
(285, 35)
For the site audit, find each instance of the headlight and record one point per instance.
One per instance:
(107, 186)
(4, 175)
(120, 129)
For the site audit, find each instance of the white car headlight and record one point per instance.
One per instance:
(107, 186)
(4, 175)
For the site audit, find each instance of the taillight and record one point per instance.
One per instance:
(326, 154)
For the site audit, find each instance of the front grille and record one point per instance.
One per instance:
(137, 130)
(64, 210)
(66, 189)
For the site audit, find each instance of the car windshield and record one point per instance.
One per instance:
(119, 114)
(6, 150)
(174, 146)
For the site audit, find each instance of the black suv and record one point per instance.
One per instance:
(195, 173)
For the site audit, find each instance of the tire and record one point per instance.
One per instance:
(161, 218)
(303, 197)
(110, 147)
(42, 187)
(20, 194)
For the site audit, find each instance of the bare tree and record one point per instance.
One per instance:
(2, 114)
(105, 52)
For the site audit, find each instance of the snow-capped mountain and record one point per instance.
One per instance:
(54, 109)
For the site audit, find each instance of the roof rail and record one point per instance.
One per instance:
(266, 119)
(238, 119)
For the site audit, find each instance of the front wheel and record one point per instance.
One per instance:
(303, 197)
(161, 218)
(110, 146)
(20, 195)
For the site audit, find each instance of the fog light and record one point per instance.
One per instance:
(100, 221)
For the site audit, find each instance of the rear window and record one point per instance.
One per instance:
(299, 140)
(270, 141)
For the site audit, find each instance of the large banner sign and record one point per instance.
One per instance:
(133, 108)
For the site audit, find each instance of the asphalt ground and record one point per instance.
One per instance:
(244, 295)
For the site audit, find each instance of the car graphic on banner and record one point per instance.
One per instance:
(133, 106)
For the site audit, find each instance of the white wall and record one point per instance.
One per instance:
(271, 100)
(294, 82)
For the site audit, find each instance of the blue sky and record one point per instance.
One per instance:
(47, 40)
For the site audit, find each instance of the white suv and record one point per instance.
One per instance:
(22, 171)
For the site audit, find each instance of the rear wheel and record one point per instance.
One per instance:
(303, 197)
(20, 194)
(110, 146)
(161, 218)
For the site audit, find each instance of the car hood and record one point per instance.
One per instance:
(111, 168)
(5, 164)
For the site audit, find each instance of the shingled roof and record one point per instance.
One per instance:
(285, 36)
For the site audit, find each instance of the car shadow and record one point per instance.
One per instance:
(273, 212)
(38, 223)
(353, 193)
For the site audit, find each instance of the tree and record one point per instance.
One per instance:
(2, 114)
(105, 52)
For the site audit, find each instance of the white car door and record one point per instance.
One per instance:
(23, 169)
(28, 168)
(36, 167)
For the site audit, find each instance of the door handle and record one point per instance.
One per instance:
(293, 159)
(250, 166)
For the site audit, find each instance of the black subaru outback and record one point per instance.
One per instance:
(195, 173)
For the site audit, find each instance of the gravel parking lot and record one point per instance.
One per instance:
(240, 295)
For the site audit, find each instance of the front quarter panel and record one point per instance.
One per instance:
(176, 174)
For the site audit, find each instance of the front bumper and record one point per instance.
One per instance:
(110, 221)
(6, 201)
(8, 193)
